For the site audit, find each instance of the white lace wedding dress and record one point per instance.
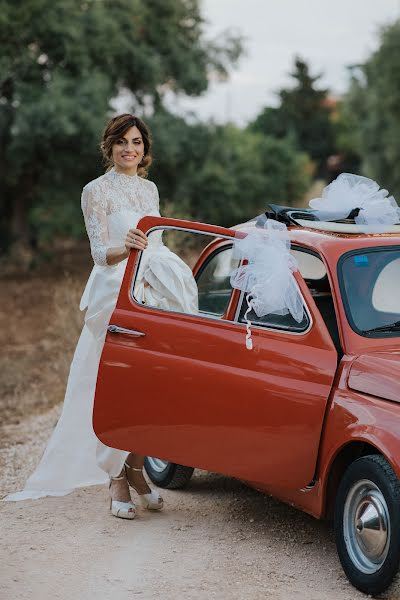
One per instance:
(111, 205)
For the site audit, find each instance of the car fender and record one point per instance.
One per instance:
(355, 418)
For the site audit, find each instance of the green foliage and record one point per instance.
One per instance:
(373, 102)
(224, 174)
(302, 115)
(346, 128)
(61, 64)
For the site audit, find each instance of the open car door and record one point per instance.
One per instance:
(184, 388)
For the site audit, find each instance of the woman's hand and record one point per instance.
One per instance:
(135, 239)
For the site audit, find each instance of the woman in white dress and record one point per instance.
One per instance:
(112, 206)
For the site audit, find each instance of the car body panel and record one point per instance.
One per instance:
(357, 417)
(190, 387)
(351, 418)
(377, 374)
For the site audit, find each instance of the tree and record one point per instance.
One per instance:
(61, 64)
(224, 174)
(346, 159)
(303, 115)
(373, 102)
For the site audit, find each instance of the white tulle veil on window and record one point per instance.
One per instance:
(266, 271)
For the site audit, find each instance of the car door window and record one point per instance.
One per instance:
(281, 322)
(310, 265)
(164, 273)
(213, 281)
(311, 268)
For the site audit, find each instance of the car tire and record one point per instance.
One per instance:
(367, 524)
(167, 474)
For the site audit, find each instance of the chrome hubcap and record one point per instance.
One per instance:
(366, 526)
(157, 464)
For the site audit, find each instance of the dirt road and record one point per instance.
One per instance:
(216, 539)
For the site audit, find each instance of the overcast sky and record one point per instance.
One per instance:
(328, 34)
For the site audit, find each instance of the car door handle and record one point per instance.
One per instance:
(117, 329)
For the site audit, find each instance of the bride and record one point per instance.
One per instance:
(112, 205)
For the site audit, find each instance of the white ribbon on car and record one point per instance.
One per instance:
(265, 272)
(349, 192)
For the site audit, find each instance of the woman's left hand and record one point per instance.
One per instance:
(135, 239)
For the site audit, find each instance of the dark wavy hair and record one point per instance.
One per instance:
(115, 129)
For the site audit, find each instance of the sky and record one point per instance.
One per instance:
(329, 35)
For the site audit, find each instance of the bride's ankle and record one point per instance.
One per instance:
(119, 489)
(134, 461)
(136, 479)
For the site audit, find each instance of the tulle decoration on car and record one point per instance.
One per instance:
(265, 272)
(373, 208)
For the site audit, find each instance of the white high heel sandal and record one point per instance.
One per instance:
(123, 510)
(152, 501)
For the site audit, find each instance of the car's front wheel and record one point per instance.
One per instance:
(367, 524)
(167, 474)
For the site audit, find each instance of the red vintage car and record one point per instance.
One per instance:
(311, 415)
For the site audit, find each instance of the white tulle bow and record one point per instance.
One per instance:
(349, 192)
(268, 275)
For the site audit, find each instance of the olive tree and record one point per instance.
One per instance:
(61, 65)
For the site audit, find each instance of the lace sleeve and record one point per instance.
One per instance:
(94, 212)
(156, 197)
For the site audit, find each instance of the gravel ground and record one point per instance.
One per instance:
(215, 539)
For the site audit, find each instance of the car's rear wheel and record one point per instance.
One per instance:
(167, 474)
(367, 524)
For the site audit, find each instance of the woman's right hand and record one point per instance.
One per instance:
(135, 239)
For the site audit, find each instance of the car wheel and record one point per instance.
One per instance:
(167, 474)
(367, 524)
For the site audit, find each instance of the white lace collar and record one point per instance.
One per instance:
(116, 175)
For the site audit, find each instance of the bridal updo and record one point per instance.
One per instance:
(115, 129)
